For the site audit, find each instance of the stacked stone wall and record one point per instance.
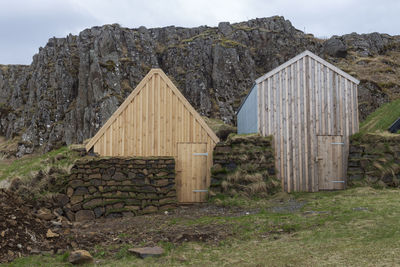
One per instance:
(374, 160)
(244, 164)
(116, 187)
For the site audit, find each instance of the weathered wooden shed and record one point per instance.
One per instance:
(311, 108)
(157, 120)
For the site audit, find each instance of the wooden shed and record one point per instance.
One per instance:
(157, 120)
(310, 107)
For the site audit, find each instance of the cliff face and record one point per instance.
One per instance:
(75, 83)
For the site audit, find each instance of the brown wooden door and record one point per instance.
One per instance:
(191, 176)
(331, 175)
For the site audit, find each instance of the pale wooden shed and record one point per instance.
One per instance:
(157, 120)
(310, 107)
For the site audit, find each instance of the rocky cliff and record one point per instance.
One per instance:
(75, 83)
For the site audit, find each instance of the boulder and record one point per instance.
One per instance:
(334, 47)
(80, 257)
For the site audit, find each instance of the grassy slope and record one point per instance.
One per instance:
(356, 227)
(382, 118)
(25, 166)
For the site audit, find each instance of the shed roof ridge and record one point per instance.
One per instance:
(315, 57)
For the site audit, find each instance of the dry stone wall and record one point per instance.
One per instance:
(244, 164)
(374, 160)
(117, 186)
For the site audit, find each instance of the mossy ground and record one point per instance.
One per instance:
(356, 227)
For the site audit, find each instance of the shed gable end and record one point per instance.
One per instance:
(150, 122)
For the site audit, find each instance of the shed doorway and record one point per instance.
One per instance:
(330, 162)
(191, 172)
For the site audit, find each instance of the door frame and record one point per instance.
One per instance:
(319, 159)
(178, 171)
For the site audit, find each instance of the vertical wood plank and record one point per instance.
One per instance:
(307, 126)
(163, 117)
(289, 164)
(313, 132)
(300, 123)
(310, 125)
(173, 119)
(328, 90)
(156, 110)
(145, 113)
(293, 125)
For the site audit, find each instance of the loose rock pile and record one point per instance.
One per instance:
(21, 230)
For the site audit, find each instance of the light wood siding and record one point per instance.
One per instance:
(299, 102)
(151, 122)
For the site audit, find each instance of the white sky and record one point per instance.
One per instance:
(25, 25)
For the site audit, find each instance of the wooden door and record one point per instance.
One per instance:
(191, 172)
(331, 171)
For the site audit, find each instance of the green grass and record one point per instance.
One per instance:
(381, 119)
(25, 166)
(356, 227)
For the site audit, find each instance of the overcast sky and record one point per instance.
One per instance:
(25, 25)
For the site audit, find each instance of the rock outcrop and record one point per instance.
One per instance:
(75, 83)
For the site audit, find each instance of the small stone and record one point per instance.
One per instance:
(92, 189)
(162, 182)
(132, 208)
(76, 199)
(161, 174)
(119, 176)
(150, 209)
(81, 190)
(80, 257)
(62, 199)
(51, 234)
(45, 214)
(167, 207)
(95, 176)
(98, 211)
(93, 203)
(84, 215)
(147, 252)
(70, 191)
(118, 205)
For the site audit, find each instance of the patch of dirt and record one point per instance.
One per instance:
(175, 226)
(290, 206)
(21, 232)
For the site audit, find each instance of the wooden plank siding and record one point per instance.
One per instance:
(299, 101)
(151, 122)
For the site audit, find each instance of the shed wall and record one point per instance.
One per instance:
(152, 124)
(247, 115)
(298, 103)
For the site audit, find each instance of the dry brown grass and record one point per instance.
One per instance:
(384, 70)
